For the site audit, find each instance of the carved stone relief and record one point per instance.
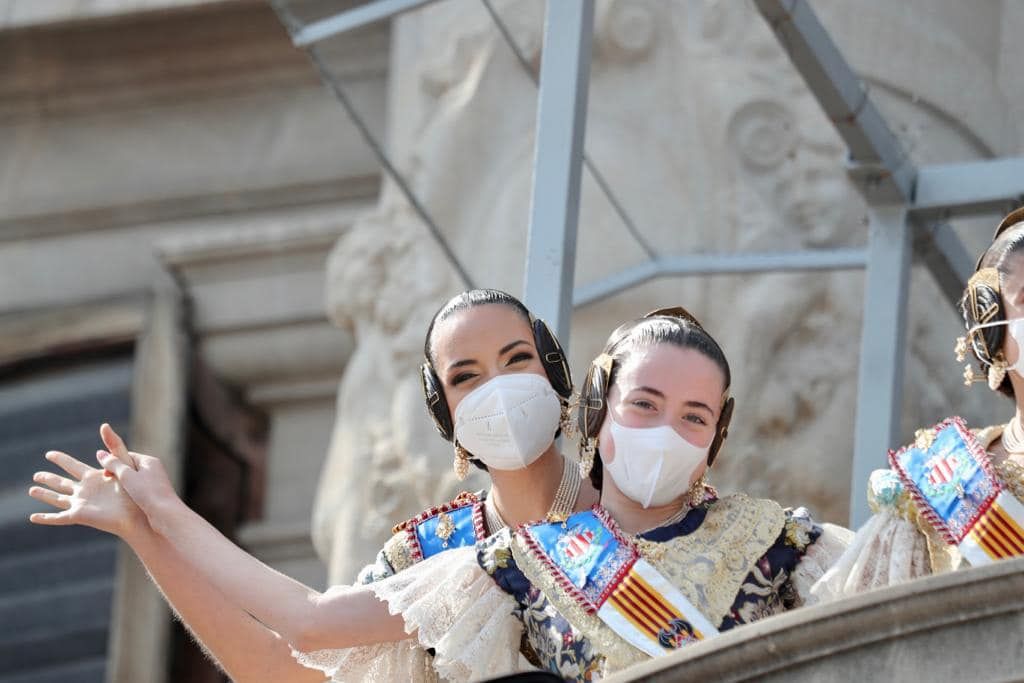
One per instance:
(713, 143)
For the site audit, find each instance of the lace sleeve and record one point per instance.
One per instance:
(819, 556)
(453, 607)
(456, 609)
(887, 550)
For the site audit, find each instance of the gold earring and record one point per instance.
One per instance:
(587, 448)
(996, 373)
(565, 421)
(960, 349)
(695, 495)
(461, 464)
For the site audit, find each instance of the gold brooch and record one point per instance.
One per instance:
(650, 550)
(445, 528)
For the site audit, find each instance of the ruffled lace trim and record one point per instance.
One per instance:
(818, 558)
(449, 604)
(887, 550)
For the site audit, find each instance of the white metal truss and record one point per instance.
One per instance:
(908, 206)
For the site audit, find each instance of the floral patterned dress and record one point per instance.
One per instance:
(777, 580)
(736, 559)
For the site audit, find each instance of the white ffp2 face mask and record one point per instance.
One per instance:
(509, 421)
(1016, 329)
(653, 465)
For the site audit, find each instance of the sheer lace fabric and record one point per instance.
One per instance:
(449, 604)
(819, 557)
(886, 551)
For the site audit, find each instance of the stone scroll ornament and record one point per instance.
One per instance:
(955, 488)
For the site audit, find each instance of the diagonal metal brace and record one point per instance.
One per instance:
(878, 162)
(352, 19)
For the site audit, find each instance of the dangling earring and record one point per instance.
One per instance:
(587, 448)
(695, 495)
(461, 463)
(566, 422)
(996, 372)
(960, 349)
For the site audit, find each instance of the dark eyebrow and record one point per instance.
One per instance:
(652, 391)
(504, 349)
(508, 347)
(461, 363)
(699, 404)
(689, 404)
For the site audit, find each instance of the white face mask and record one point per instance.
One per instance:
(1016, 329)
(509, 421)
(653, 465)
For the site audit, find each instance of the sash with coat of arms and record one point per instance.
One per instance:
(603, 572)
(955, 488)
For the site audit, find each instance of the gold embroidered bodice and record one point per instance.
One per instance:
(708, 566)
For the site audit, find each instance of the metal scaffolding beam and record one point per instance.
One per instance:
(947, 190)
(352, 19)
(909, 206)
(721, 264)
(557, 167)
(878, 161)
(882, 171)
(940, 249)
(883, 336)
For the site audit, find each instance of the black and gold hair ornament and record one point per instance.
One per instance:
(983, 302)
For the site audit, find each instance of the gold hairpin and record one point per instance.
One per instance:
(970, 377)
(960, 349)
(605, 362)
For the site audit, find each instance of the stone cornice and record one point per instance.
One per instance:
(160, 58)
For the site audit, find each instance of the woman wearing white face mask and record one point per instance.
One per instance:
(955, 497)
(496, 384)
(663, 561)
(499, 377)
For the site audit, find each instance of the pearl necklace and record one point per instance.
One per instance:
(1013, 440)
(561, 506)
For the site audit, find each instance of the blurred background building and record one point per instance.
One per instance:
(197, 244)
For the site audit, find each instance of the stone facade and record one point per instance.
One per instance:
(143, 143)
(712, 142)
(183, 137)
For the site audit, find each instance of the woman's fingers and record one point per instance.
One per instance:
(113, 464)
(75, 468)
(50, 518)
(54, 481)
(49, 497)
(115, 444)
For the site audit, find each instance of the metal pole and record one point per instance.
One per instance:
(880, 379)
(555, 201)
(352, 19)
(845, 258)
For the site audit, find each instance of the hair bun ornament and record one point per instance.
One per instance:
(982, 304)
(675, 312)
(1013, 218)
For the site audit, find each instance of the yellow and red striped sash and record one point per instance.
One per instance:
(600, 569)
(997, 534)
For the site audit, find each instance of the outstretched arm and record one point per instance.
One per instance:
(302, 616)
(244, 648)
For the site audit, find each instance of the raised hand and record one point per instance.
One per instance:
(142, 476)
(87, 496)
